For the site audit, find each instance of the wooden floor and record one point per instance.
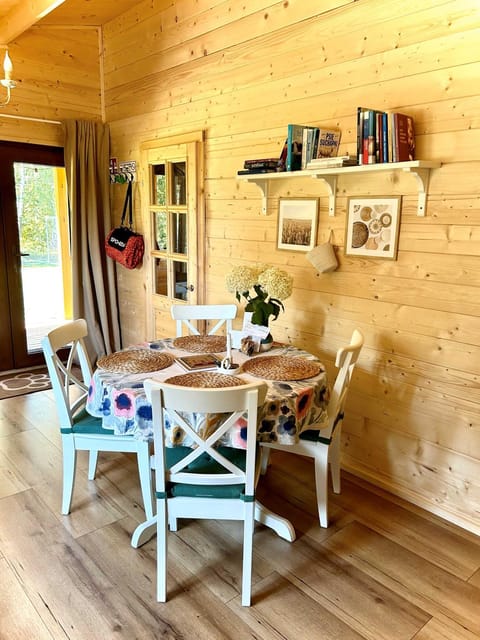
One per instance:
(383, 569)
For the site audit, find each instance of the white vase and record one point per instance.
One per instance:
(267, 343)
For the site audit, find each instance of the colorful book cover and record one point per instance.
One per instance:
(328, 143)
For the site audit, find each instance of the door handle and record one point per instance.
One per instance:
(22, 254)
(191, 287)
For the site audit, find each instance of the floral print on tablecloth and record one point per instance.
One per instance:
(290, 408)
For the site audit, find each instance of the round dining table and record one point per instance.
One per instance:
(296, 400)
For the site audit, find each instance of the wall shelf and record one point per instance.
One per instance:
(419, 168)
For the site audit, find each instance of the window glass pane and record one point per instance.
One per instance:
(160, 226)
(158, 184)
(180, 274)
(179, 192)
(179, 232)
(161, 276)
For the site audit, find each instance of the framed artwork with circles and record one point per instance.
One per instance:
(372, 227)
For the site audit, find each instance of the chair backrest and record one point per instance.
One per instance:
(230, 404)
(345, 362)
(70, 379)
(184, 313)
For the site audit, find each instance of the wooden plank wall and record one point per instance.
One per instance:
(242, 72)
(57, 72)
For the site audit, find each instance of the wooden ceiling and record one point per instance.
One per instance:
(16, 16)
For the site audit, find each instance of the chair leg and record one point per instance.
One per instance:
(69, 464)
(92, 463)
(162, 550)
(145, 474)
(334, 458)
(321, 482)
(248, 527)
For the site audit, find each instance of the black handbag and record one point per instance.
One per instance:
(122, 243)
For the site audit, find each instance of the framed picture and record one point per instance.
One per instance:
(297, 223)
(372, 227)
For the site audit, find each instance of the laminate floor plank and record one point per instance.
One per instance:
(19, 618)
(420, 582)
(374, 610)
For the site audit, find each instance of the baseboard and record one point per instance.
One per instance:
(453, 517)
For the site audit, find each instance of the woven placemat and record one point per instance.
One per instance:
(281, 368)
(135, 361)
(206, 379)
(201, 344)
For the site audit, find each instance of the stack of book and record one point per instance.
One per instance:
(332, 163)
(260, 165)
(384, 137)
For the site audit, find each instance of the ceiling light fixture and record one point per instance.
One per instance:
(7, 81)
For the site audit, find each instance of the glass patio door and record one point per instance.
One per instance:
(35, 284)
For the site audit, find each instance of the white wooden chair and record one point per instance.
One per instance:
(324, 445)
(185, 313)
(208, 481)
(81, 431)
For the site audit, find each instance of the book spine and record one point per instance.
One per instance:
(392, 137)
(386, 157)
(305, 147)
(378, 137)
(371, 137)
(365, 136)
(288, 165)
(359, 135)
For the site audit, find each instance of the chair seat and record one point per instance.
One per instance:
(206, 464)
(86, 424)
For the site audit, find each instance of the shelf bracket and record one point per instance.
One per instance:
(422, 175)
(331, 182)
(263, 186)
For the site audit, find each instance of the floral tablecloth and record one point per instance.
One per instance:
(290, 406)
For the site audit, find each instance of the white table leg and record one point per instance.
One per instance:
(281, 526)
(144, 532)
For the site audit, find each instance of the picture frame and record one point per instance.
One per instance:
(372, 227)
(297, 223)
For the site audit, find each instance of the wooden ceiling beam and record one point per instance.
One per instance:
(23, 15)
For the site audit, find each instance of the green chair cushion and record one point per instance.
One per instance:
(84, 423)
(206, 464)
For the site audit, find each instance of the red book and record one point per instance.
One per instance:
(404, 138)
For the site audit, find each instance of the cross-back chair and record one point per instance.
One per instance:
(81, 431)
(324, 445)
(184, 314)
(208, 480)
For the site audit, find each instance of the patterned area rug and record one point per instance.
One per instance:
(22, 382)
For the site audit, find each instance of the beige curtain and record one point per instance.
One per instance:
(87, 154)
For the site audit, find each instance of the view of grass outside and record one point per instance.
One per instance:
(39, 238)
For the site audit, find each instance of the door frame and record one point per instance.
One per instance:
(191, 147)
(13, 339)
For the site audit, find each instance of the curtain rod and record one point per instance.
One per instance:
(8, 115)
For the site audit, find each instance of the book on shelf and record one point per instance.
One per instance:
(332, 163)
(327, 143)
(403, 142)
(199, 362)
(282, 160)
(248, 172)
(261, 163)
(294, 147)
(309, 135)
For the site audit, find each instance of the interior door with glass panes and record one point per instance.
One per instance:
(175, 214)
